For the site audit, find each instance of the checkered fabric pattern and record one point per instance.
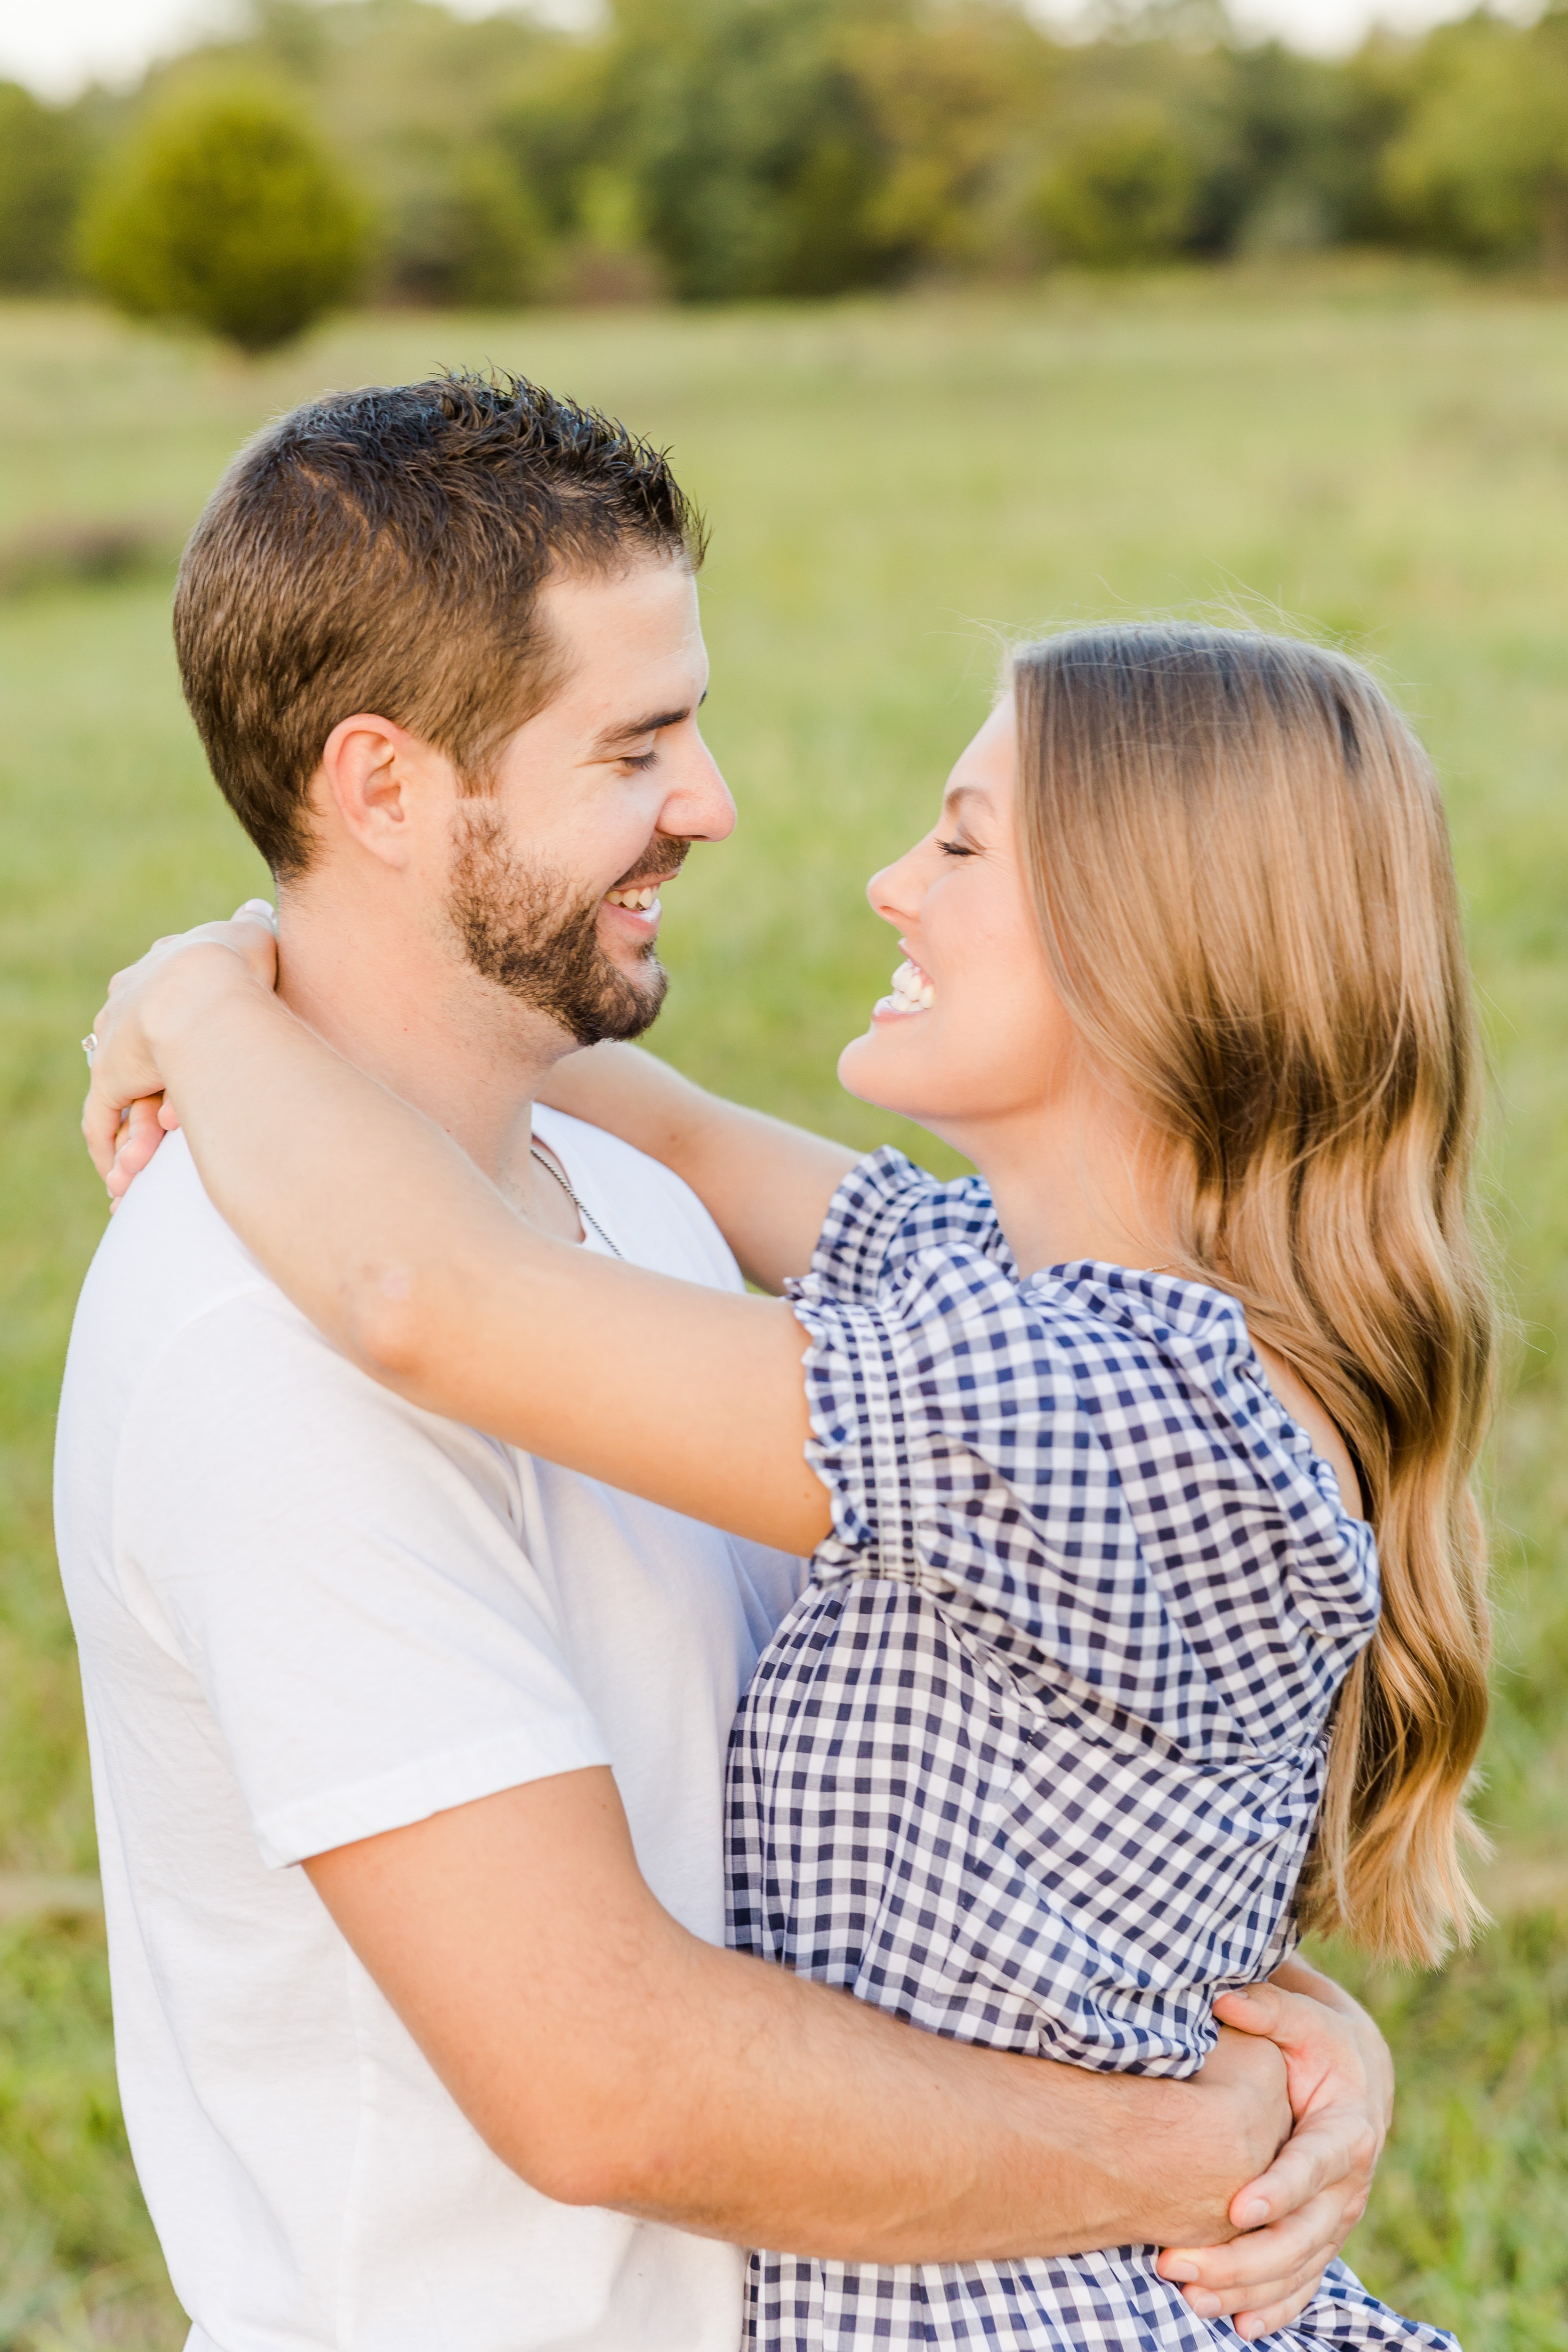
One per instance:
(1035, 1760)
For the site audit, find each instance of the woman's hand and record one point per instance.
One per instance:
(128, 1113)
(1340, 2080)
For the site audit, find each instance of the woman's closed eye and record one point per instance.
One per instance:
(957, 848)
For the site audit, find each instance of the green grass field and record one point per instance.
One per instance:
(1383, 458)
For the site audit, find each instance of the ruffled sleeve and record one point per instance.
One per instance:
(886, 1213)
(1093, 1460)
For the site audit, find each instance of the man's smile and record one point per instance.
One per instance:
(638, 904)
(636, 896)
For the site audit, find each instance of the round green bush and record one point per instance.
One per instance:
(227, 211)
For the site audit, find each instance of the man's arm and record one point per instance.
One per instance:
(766, 1184)
(611, 2058)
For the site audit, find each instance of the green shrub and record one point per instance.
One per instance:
(1120, 189)
(1482, 166)
(41, 170)
(466, 231)
(751, 142)
(227, 213)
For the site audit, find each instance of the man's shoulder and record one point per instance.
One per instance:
(177, 1317)
(180, 1337)
(167, 1260)
(192, 1375)
(168, 1281)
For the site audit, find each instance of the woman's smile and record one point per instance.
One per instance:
(913, 991)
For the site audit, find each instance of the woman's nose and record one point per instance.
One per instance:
(895, 890)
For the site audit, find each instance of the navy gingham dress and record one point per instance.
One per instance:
(1035, 1759)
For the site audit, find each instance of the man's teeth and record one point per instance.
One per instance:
(912, 992)
(638, 900)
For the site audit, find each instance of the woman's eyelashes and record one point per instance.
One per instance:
(957, 849)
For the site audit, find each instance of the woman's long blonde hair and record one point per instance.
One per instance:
(1241, 869)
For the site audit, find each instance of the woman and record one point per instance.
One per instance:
(1090, 1703)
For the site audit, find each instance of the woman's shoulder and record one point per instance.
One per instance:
(1157, 1350)
(1142, 1316)
(1185, 1341)
(887, 1214)
(1095, 1453)
(1155, 1374)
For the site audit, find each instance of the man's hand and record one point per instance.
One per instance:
(127, 1113)
(1294, 2218)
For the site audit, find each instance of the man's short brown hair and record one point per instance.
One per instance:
(383, 551)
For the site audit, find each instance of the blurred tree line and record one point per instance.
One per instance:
(717, 150)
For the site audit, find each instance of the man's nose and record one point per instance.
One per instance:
(700, 806)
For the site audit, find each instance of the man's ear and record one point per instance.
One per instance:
(378, 779)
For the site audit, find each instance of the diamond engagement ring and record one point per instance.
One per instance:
(89, 1045)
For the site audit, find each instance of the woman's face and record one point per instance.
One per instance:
(973, 1032)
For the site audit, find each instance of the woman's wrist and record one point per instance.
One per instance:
(182, 996)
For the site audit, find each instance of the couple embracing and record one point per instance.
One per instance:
(638, 1816)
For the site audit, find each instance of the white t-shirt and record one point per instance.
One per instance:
(308, 1612)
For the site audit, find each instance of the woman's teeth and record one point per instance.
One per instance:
(912, 992)
(639, 901)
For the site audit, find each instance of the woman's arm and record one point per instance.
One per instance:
(766, 1184)
(412, 1262)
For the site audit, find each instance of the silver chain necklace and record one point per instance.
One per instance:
(585, 1213)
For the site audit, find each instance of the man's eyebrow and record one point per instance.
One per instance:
(633, 728)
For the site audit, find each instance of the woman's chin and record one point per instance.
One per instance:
(878, 1068)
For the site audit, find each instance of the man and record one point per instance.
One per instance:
(433, 2087)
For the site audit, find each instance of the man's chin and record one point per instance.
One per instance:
(550, 956)
(629, 1008)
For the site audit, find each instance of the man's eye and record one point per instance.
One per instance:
(639, 759)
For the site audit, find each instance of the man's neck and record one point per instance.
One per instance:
(408, 1011)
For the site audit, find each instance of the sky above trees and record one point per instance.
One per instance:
(55, 49)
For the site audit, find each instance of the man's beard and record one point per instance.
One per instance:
(528, 932)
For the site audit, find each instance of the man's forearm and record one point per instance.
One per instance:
(793, 2117)
(613, 2059)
